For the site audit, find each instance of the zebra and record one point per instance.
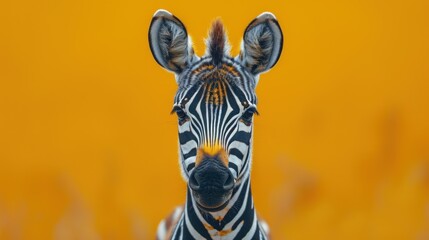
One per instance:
(215, 104)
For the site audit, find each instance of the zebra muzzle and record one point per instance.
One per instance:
(211, 183)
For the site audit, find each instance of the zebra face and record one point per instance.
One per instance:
(215, 101)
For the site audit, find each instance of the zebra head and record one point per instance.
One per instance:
(215, 101)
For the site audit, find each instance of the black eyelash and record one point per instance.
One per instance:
(246, 118)
(181, 115)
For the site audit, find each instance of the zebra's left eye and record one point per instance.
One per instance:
(181, 115)
(246, 118)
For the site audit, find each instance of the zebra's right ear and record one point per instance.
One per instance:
(169, 42)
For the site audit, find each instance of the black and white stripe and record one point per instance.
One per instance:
(240, 218)
(210, 124)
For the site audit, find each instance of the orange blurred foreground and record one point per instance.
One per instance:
(88, 149)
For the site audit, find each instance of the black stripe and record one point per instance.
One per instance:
(191, 153)
(236, 152)
(185, 137)
(247, 218)
(190, 167)
(242, 136)
(233, 166)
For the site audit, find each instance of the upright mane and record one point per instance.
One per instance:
(217, 42)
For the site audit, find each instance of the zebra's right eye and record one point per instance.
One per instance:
(181, 115)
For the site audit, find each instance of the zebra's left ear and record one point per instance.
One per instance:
(262, 44)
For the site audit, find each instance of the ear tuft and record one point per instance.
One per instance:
(266, 16)
(217, 43)
(162, 13)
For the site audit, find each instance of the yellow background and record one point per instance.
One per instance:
(88, 149)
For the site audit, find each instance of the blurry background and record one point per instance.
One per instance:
(88, 149)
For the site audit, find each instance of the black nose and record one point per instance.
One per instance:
(211, 176)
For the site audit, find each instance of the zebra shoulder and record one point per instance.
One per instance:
(168, 224)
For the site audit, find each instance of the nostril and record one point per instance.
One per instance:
(229, 183)
(193, 182)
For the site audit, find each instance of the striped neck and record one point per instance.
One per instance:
(238, 220)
